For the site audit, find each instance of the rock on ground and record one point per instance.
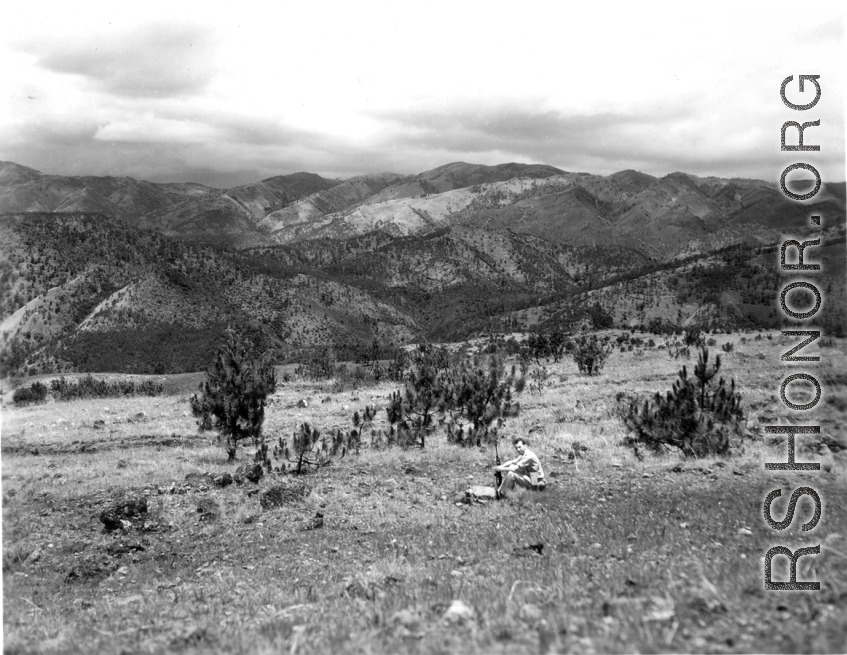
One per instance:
(124, 514)
(249, 472)
(459, 613)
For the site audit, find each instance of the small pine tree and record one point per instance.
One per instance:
(537, 346)
(694, 337)
(697, 416)
(310, 448)
(412, 412)
(538, 378)
(232, 397)
(362, 422)
(590, 353)
(397, 367)
(483, 396)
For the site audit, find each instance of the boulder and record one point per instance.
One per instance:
(249, 472)
(223, 480)
(479, 492)
(459, 614)
(124, 514)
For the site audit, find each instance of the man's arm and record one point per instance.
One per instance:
(508, 466)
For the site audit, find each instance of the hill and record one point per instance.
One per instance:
(189, 211)
(143, 277)
(665, 218)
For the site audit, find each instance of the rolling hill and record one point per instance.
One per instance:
(106, 273)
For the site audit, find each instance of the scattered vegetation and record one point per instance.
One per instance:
(386, 535)
(65, 389)
(322, 364)
(89, 387)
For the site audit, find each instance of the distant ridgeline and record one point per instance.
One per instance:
(115, 274)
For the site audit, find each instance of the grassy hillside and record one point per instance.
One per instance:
(660, 555)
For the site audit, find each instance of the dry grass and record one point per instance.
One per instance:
(637, 556)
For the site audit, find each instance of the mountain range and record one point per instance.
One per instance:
(113, 273)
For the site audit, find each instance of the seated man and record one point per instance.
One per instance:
(524, 470)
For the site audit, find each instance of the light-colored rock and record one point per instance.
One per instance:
(459, 613)
(482, 492)
(530, 613)
(407, 618)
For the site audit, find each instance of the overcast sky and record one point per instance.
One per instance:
(228, 97)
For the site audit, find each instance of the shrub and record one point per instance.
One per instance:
(677, 349)
(544, 345)
(537, 346)
(34, 393)
(482, 396)
(538, 378)
(728, 347)
(412, 411)
(697, 416)
(311, 449)
(232, 398)
(590, 354)
(694, 337)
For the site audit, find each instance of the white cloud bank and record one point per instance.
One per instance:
(226, 97)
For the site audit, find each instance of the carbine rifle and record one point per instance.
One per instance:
(498, 476)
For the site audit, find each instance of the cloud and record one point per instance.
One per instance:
(568, 140)
(224, 99)
(154, 129)
(153, 60)
(675, 136)
(831, 30)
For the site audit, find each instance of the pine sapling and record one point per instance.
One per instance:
(698, 416)
(233, 396)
